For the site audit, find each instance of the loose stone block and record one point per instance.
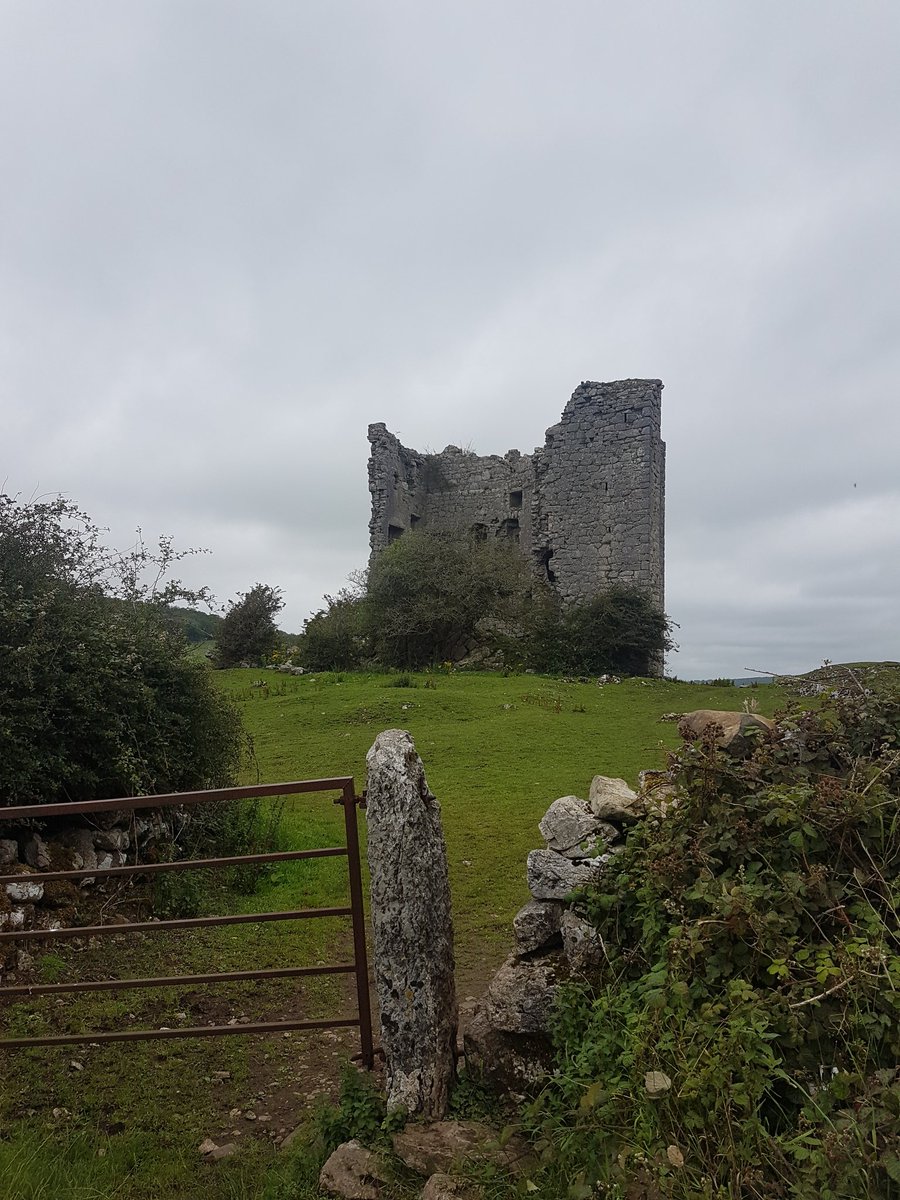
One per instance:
(552, 876)
(537, 925)
(581, 941)
(613, 800)
(353, 1173)
(507, 1041)
(567, 823)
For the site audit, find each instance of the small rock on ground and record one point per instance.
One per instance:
(353, 1173)
(450, 1187)
(212, 1152)
(441, 1145)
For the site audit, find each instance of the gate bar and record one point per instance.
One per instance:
(154, 981)
(358, 913)
(179, 864)
(176, 799)
(147, 1035)
(71, 931)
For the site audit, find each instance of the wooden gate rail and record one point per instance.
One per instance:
(355, 910)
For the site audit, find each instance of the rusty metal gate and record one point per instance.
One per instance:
(354, 910)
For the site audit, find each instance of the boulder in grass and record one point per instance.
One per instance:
(735, 732)
(443, 1145)
(450, 1187)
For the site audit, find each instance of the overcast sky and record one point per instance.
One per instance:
(233, 234)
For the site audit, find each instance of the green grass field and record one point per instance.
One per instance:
(497, 751)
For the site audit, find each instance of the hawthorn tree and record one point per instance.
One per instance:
(248, 632)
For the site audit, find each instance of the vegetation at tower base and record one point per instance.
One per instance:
(336, 638)
(430, 596)
(100, 696)
(435, 597)
(742, 1037)
(619, 630)
(248, 633)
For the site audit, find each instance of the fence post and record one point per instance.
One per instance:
(360, 960)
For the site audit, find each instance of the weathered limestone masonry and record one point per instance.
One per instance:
(588, 508)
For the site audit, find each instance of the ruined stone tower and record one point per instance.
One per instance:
(587, 508)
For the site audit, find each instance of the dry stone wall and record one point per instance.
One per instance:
(587, 508)
(507, 1039)
(28, 901)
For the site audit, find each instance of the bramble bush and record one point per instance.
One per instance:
(752, 958)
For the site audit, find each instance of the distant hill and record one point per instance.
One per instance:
(878, 667)
(201, 628)
(867, 673)
(198, 626)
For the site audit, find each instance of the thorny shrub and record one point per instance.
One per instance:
(752, 957)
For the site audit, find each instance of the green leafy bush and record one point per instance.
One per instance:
(619, 631)
(100, 696)
(337, 637)
(752, 959)
(248, 632)
(433, 597)
(361, 1113)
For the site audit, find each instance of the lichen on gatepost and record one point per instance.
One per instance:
(412, 929)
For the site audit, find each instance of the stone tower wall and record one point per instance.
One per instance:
(598, 492)
(587, 508)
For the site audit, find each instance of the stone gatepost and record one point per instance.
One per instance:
(412, 928)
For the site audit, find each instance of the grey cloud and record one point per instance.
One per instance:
(232, 235)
